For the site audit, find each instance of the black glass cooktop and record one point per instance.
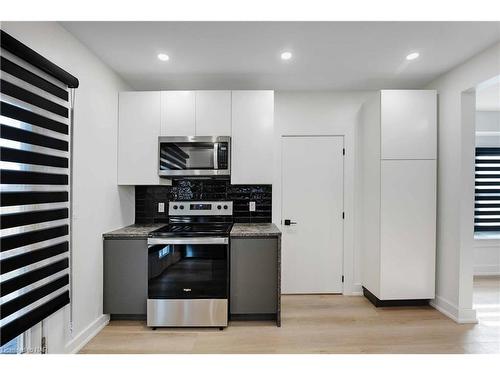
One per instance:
(192, 230)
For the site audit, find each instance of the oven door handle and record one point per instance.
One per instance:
(189, 241)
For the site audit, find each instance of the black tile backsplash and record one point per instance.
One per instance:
(148, 197)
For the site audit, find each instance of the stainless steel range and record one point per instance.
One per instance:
(188, 260)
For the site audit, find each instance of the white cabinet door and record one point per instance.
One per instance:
(408, 124)
(252, 129)
(408, 229)
(178, 113)
(138, 131)
(213, 113)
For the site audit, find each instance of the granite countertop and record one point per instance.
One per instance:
(133, 231)
(255, 230)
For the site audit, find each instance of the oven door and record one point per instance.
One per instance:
(194, 156)
(188, 268)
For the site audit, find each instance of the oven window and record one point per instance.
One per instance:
(187, 271)
(186, 156)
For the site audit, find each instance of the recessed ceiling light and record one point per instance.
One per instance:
(286, 55)
(163, 57)
(413, 56)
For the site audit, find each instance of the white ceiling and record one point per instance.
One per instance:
(245, 55)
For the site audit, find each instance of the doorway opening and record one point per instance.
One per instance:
(486, 248)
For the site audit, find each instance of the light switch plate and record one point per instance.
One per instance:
(161, 207)
(252, 206)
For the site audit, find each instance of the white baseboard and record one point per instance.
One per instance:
(453, 312)
(354, 290)
(487, 270)
(87, 334)
(357, 290)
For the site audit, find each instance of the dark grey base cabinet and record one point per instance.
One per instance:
(125, 277)
(254, 291)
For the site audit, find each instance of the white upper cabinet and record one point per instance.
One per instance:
(213, 113)
(408, 124)
(138, 131)
(246, 116)
(252, 130)
(178, 113)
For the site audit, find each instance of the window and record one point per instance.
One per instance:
(35, 130)
(14, 346)
(487, 191)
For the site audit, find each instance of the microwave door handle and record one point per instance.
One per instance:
(216, 161)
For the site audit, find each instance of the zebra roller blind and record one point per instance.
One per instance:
(35, 117)
(487, 194)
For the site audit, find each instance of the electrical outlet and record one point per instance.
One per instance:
(161, 207)
(252, 206)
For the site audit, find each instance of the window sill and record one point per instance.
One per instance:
(487, 236)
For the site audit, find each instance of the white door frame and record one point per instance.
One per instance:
(348, 287)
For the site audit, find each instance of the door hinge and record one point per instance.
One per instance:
(343, 215)
(342, 278)
(343, 151)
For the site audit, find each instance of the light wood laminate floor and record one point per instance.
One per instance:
(323, 324)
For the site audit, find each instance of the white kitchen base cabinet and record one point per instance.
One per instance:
(397, 156)
(252, 131)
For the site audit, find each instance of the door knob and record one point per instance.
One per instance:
(289, 222)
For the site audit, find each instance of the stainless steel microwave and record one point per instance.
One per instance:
(194, 156)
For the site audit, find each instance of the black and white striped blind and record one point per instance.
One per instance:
(487, 194)
(35, 120)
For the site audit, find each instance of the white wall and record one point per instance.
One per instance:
(456, 184)
(99, 204)
(486, 257)
(488, 128)
(325, 113)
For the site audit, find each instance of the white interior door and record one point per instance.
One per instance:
(312, 196)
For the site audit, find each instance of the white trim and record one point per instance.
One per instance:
(357, 290)
(451, 311)
(75, 345)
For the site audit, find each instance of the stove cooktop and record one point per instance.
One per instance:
(192, 230)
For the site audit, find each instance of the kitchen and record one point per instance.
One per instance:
(188, 149)
(204, 213)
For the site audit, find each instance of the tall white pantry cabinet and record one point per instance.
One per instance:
(398, 151)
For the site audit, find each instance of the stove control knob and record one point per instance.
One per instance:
(181, 207)
(225, 206)
(219, 207)
(175, 207)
